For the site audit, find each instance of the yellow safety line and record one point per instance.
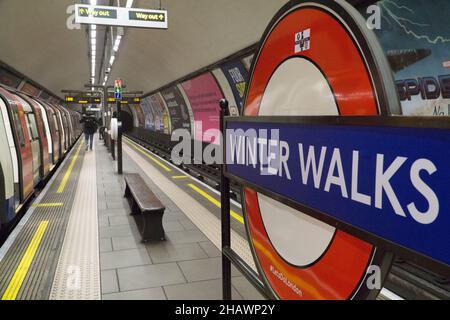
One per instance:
(19, 275)
(214, 201)
(179, 177)
(48, 204)
(66, 177)
(145, 153)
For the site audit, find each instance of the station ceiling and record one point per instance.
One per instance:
(35, 40)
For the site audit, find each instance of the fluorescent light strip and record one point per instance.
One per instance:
(129, 3)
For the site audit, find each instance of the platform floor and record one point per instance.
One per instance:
(78, 240)
(185, 266)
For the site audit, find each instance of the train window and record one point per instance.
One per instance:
(33, 126)
(28, 127)
(55, 121)
(16, 119)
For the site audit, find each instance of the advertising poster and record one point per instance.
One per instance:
(148, 112)
(160, 113)
(9, 79)
(178, 110)
(416, 38)
(237, 77)
(44, 95)
(204, 95)
(30, 89)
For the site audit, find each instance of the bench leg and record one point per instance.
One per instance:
(127, 192)
(151, 228)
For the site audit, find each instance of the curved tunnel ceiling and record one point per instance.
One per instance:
(37, 43)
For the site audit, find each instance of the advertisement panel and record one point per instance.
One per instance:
(178, 110)
(30, 89)
(204, 95)
(148, 113)
(237, 77)
(163, 121)
(9, 79)
(416, 38)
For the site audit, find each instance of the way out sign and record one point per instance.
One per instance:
(120, 16)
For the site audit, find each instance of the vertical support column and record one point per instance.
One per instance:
(225, 208)
(119, 138)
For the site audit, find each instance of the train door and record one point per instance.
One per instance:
(22, 142)
(48, 133)
(31, 127)
(64, 128)
(43, 138)
(54, 130)
(70, 121)
(68, 126)
(10, 167)
(61, 131)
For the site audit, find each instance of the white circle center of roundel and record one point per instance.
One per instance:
(296, 88)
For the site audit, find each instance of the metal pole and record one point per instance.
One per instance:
(106, 112)
(119, 138)
(225, 209)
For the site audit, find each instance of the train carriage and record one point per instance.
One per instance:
(10, 168)
(16, 117)
(42, 136)
(33, 135)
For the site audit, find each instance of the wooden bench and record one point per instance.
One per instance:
(145, 207)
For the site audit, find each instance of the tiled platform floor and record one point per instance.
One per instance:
(185, 266)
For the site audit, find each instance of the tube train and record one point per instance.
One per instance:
(34, 137)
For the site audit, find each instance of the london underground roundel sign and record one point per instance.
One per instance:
(315, 58)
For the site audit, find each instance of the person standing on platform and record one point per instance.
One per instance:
(90, 127)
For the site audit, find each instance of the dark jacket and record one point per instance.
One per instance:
(90, 125)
